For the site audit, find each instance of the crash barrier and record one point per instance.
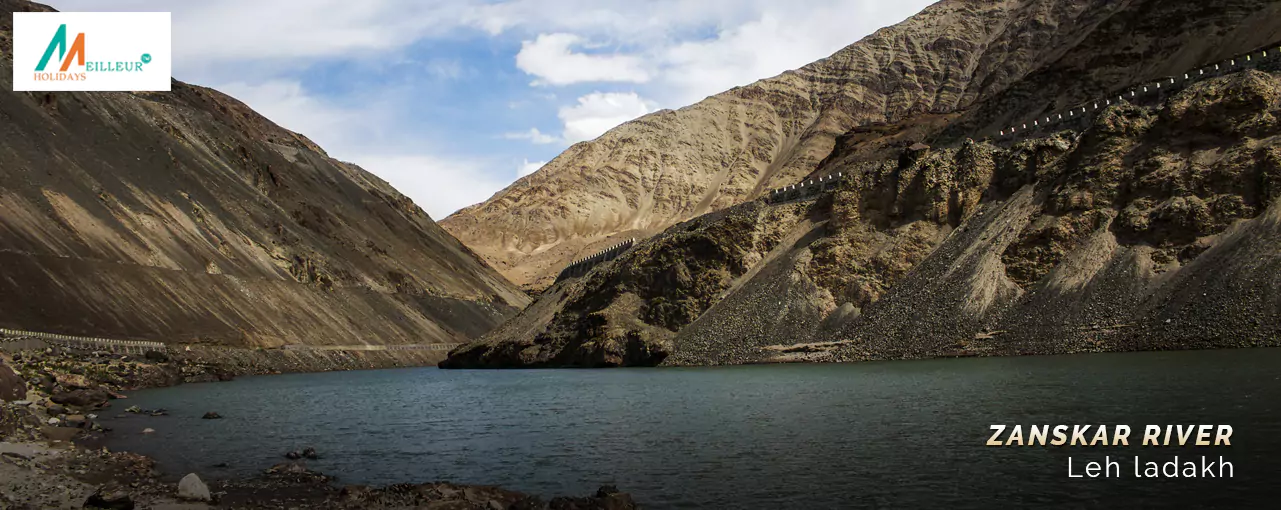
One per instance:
(25, 343)
(77, 342)
(409, 347)
(582, 266)
(805, 189)
(1081, 114)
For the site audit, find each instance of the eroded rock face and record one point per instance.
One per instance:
(626, 312)
(958, 69)
(1156, 227)
(12, 387)
(187, 217)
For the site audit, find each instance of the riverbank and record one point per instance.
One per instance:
(205, 363)
(49, 416)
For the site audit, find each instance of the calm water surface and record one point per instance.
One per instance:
(903, 433)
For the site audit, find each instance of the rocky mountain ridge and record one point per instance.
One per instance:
(187, 217)
(1154, 227)
(958, 69)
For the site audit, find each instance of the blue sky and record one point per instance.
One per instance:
(452, 100)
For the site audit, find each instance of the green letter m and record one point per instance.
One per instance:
(59, 43)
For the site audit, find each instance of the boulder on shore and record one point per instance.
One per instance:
(192, 489)
(81, 398)
(12, 387)
(112, 500)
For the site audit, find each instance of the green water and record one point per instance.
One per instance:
(907, 433)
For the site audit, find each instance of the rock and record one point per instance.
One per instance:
(47, 382)
(606, 491)
(310, 453)
(293, 455)
(133, 409)
(56, 410)
(353, 492)
(192, 489)
(25, 451)
(156, 356)
(74, 420)
(286, 468)
(74, 381)
(211, 416)
(81, 397)
(607, 497)
(148, 430)
(54, 433)
(54, 421)
(22, 403)
(12, 387)
(113, 500)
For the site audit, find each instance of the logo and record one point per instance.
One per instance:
(59, 43)
(91, 51)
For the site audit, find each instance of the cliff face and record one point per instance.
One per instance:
(969, 65)
(1153, 225)
(186, 216)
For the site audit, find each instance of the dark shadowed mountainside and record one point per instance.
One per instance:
(187, 217)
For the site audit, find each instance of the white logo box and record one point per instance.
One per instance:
(114, 47)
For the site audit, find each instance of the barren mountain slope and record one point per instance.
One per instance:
(185, 216)
(670, 166)
(1157, 226)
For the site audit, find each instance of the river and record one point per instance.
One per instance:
(899, 433)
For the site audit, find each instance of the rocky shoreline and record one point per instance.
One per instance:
(50, 400)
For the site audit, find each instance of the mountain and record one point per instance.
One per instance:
(187, 217)
(1148, 223)
(670, 166)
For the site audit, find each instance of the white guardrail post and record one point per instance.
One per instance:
(142, 346)
(90, 343)
(1231, 63)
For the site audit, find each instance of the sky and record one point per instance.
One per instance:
(452, 100)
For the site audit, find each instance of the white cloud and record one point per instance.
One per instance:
(528, 168)
(285, 102)
(447, 69)
(753, 40)
(599, 112)
(533, 135)
(367, 136)
(551, 58)
(770, 44)
(439, 185)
